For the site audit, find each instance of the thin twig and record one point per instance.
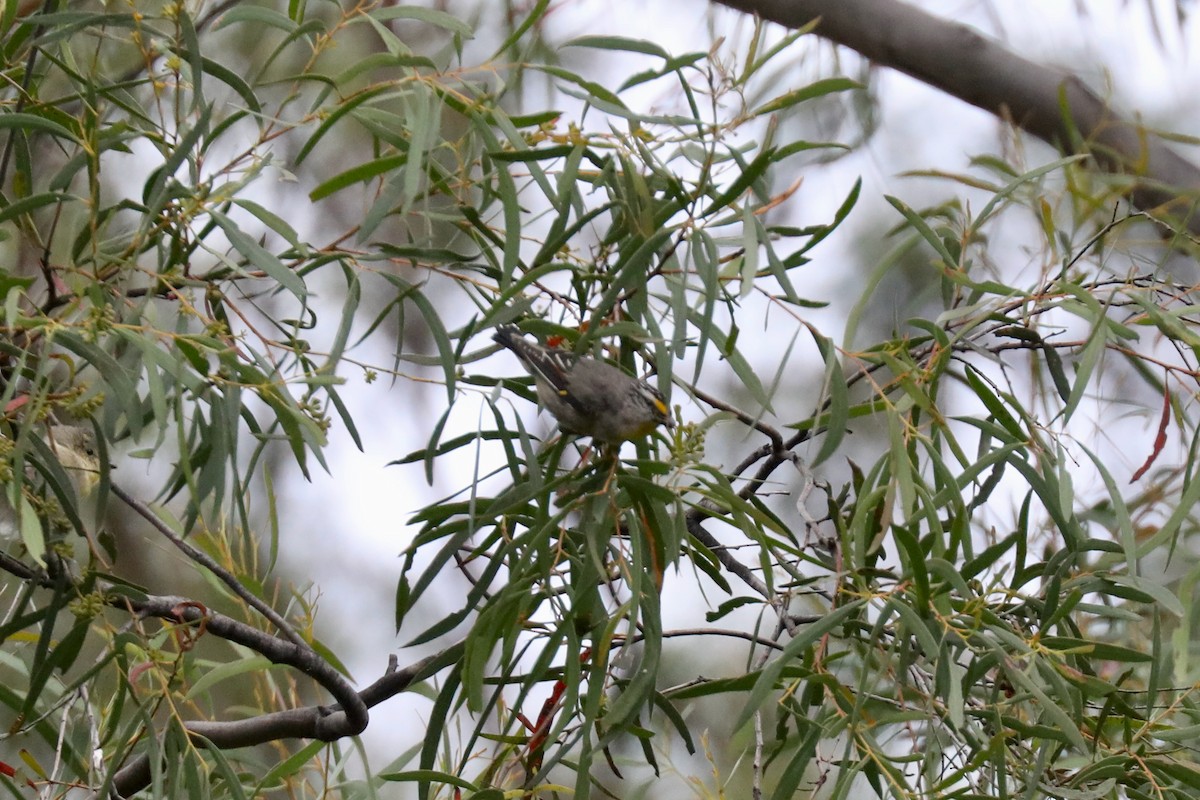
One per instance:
(743, 417)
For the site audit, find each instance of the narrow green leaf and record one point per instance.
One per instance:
(33, 202)
(256, 17)
(811, 633)
(837, 399)
(430, 16)
(1152, 587)
(1062, 727)
(290, 766)
(432, 775)
(619, 43)
(1085, 365)
(753, 171)
(258, 256)
(812, 91)
(35, 123)
(332, 118)
(797, 766)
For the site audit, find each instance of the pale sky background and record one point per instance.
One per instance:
(353, 519)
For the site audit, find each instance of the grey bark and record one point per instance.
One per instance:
(962, 62)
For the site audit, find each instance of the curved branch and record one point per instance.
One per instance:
(353, 720)
(200, 557)
(313, 722)
(325, 723)
(295, 651)
(1051, 104)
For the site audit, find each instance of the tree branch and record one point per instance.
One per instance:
(295, 652)
(326, 723)
(312, 722)
(1052, 105)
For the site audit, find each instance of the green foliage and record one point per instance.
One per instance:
(941, 579)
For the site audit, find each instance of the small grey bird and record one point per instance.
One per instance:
(587, 396)
(75, 446)
(77, 453)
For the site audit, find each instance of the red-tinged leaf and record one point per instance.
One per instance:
(1160, 439)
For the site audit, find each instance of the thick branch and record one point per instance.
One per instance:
(300, 723)
(963, 63)
(275, 649)
(291, 650)
(326, 723)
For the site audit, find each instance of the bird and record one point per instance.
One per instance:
(75, 448)
(587, 396)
